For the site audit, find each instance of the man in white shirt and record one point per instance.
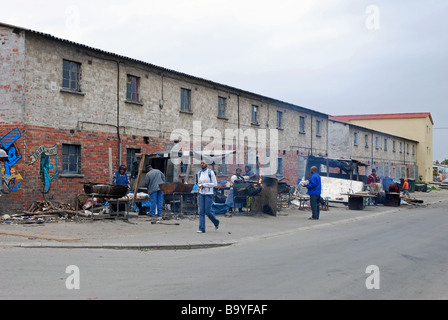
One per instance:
(206, 181)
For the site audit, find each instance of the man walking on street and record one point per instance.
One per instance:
(314, 190)
(206, 181)
(153, 179)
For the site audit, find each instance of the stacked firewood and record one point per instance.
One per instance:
(49, 207)
(45, 210)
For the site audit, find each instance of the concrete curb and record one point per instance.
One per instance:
(118, 246)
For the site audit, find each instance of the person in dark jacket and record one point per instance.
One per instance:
(121, 178)
(153, 179)
(314, 190)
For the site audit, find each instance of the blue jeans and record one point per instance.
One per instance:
(315, 205)
(205, 208)
(156, 202)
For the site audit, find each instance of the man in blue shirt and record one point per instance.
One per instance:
(314, 190)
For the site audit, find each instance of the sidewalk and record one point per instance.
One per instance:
(140, 234)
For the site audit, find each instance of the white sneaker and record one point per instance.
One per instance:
(199, 231)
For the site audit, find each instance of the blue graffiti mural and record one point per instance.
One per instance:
(10, 178)
(46, 166)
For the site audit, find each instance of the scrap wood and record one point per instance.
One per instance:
(168, 224)
(48, 207)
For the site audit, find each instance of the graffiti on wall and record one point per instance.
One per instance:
(47, 174)
(10, 177)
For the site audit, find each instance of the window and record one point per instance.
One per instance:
(222, 167)
(385, 144)
(280, 166)
(70, 158)
(318, 128)
(302, 125)
(401, 147)
(132, 89)
(183, 167)
(377, 143)
(279, 120)
(71, 75)
(185, 100)
(132, 161)
(254, 118)
(366, 140)
(222, 102)
(356, 139)
(393, 146)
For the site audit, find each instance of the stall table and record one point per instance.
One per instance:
(114, 207)
(356, 200)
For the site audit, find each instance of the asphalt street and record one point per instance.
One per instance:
(327, 261)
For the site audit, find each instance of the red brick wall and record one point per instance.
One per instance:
(94, 162)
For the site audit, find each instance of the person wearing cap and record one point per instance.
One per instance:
(153, 179)
(121, 178)
(373, 178)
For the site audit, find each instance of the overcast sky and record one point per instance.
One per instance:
(333, 56)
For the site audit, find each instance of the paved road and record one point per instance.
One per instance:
(409, 247)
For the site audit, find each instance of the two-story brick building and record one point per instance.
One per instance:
(71, 114)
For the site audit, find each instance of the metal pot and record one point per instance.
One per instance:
(108, 190)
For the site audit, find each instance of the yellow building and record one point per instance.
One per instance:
(414, 126)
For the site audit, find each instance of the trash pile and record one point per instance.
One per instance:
(41, 212)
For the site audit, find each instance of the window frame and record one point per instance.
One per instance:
(185, 100)
(132, 88)
(280, 167)
(222, 107)
(254, 114)
(302, 125)
(66, 158)
(318, 128)
(77, 72)
(279, 119)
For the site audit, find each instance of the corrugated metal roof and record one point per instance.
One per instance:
(347, 118)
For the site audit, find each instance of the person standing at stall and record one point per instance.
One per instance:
(374, 185)
(206, 181)
(231, 200)
(121, 178)
(153, 179)
(314, 190)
